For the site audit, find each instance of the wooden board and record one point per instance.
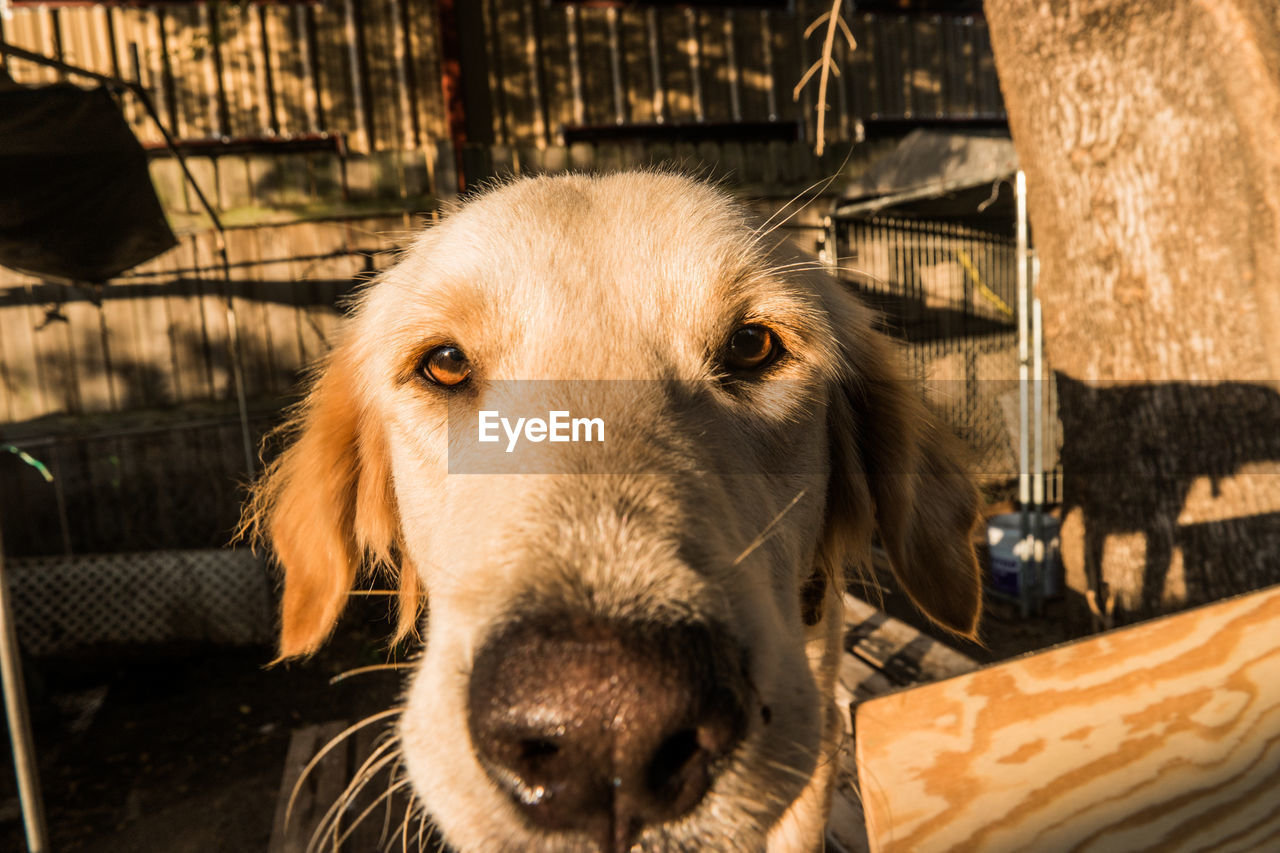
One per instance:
(322, 786)
(1162, 736)
(374, 816)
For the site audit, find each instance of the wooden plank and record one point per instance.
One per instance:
(234, 187)
(214, 316)
(902, 652)
(515, 87)
(670, 35)
(311, 339)
(633, 37)
(846, 826)
(253, 313)
(27, 393)
(378, 46)
(263, 183)
(56, 350)
(240, 59)
(185, 41)
(596, 63)
(713, 66)
(171, 313)
(333, 68)
(283, 61)
(186, 327)
(280, 307)
(320, 789)
(154, 367)
(424, 67)
(1161, 736)
(207, 60)
(404, 92)
(257, 53)
(331, 271)
(304, 36)
(989, 100)
(377, 815)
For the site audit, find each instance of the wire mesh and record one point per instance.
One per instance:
(64, 605)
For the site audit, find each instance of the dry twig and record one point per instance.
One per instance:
(825, 66)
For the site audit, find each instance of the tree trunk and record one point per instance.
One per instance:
(1150, 134)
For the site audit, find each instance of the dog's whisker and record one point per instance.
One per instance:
(403, 832)
(821, 185)
(329, 747)
(786, 769)
(384, 835)
(768, 226)
(768, 528)
(871, 589)
(330, 822)
(363, 775)
(793, 265)
(422, 829)
(385, 753)
(426, 832)
(361, 670)
(383, 797)
(798, 201)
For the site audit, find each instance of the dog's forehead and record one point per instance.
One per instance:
(602, 233)
(588, 236)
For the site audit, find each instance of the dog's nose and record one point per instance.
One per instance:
(603, 728)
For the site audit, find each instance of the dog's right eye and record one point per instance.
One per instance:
(446, 366)
(751, 348)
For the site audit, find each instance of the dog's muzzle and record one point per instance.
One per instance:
(601, 728)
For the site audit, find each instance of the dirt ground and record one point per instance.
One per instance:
(182, 751)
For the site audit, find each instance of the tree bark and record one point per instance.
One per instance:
(1150, 134)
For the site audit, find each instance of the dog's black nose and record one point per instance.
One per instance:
(603, 728)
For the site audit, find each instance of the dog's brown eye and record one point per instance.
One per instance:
(447, 366)
(751, 348)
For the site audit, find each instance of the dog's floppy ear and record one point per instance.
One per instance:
(890, 457)
(326, 508)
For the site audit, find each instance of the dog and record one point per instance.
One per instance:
(630, 645)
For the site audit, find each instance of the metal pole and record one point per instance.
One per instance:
(1024, 402)
(15, 709)
(1037, 451)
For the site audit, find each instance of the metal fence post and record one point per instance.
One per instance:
(15, 710)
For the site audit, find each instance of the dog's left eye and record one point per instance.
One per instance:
(447, 366)
(751, 348)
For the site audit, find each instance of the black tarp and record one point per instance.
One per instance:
(76, 199)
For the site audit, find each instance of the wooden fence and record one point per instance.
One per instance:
(288, 103)
(157, 336)
(321, 125)
(124, 392)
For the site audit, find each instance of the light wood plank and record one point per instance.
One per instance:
(318, 791)
(1162, 736)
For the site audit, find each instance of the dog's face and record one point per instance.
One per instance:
(630, 643)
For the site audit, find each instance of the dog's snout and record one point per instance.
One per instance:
(603, 728)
